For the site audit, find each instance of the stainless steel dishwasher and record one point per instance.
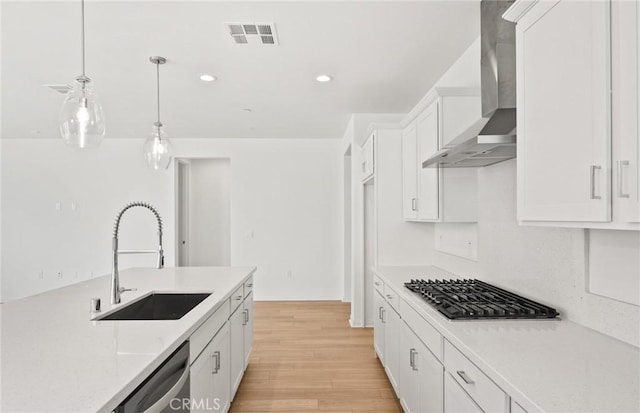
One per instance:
(165, 390)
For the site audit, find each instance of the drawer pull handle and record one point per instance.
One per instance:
(389, 296)
(464, 377)
(216, 362)
(621, 193)
(376, 283)
(593, 169)
(412, 359)
(383, 312)
(380, 313)
(238, 297)
(250, 285)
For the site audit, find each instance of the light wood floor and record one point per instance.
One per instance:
(306, 358)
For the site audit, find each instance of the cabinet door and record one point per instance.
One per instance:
(221, 374)
(209, 375)
(428, 178)
(378, 325)
(408, 392)
(409, 173)
(429, 378)
(248, 328)
(392, 345)
(626, 110)
(564, 112)
(201, 379)
(236, 326)
(456, 400)
(421, 375)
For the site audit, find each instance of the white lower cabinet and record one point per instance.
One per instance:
(236, 323)
(456, 400)
(378, 325)
(428, 373)
(421, 373)
(219, 352)
(209, 375)
(392, 345)
(241, 340)
(248, 328)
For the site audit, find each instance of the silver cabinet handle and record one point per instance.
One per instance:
(246, 317)
(216, 362)
(389, 296)
(620, 164)
(376, 283)
(364, 166)
(380, 313)
(593, 169)
(238, 297)
(464, 377)
(382, 319)
(412, 358)
(250, 285)
(414, 204)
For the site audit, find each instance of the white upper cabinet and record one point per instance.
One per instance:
(428, 178)
(437, 194)
(577, 92)
(409, 173)
(368, 157)
(625, 16)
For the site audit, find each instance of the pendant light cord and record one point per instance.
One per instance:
(82, 37)
(158, 89)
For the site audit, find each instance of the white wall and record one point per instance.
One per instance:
(210, 212)
(286, 208)
(546, 264)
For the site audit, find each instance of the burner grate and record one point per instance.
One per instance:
(474, 299)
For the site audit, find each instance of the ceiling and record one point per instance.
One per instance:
(383, 55)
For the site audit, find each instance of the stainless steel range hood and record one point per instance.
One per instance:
(492, 138)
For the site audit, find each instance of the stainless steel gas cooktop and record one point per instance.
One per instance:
(474, 299)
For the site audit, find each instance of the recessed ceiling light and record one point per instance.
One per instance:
(207, 78)
(324, 78)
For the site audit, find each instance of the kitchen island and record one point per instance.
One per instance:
(55, 358)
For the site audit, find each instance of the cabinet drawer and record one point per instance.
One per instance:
(207, 330)
(425, 331)
(236, 299)
(481, 389)
(248, 286)
(391, 297)
(378, 285)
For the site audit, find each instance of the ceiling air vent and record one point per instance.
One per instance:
(252, 33)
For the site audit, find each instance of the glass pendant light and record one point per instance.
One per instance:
(81, 117)
(157, 148)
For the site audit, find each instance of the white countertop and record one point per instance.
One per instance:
(55, 359)
(544, 365)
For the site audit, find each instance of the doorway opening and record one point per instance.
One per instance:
(203, 197)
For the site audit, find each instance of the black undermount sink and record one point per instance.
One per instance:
(158, 306)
